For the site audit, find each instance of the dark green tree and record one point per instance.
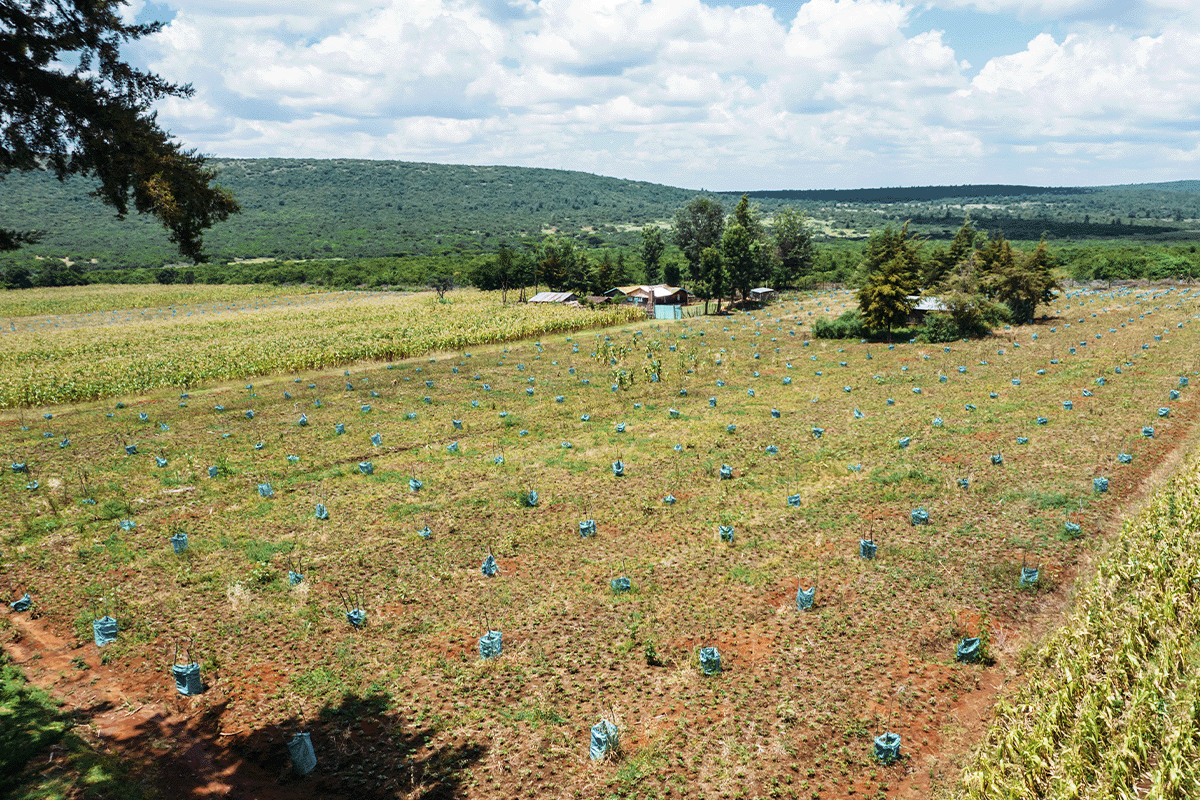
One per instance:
(602, 273)
(969, 312)
(557, 262)
(698, 226)
(795, 252)
(1022, 285)
(942, 262)
(620, 276)
(711, 280)
(747, 253)
(651, 251)
(505, 270)
(579, 274)
(890, 269)
(672, 271)
(996, 255)
(441, 283)
(95, 118)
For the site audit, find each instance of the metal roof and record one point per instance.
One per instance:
(552, 297)
(928, 304)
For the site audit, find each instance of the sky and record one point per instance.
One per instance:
(702, 94)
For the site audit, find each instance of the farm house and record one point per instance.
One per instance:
(662, 294)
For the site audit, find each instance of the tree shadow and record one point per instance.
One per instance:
(40, 755)
(363, 749)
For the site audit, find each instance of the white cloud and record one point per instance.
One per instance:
(842, 93)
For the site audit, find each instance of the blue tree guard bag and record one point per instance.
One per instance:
(1029, 576)
(604, 739)
(300, 748)
(104, 630)
(490, 644)
(887, 748)
(187, 679)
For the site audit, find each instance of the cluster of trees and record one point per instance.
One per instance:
(557, 263)
(728, 256)
(1123, 262)
(722, 256)
(979, 280)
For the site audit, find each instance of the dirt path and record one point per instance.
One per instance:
(176, 746)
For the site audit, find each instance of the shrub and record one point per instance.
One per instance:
(848, 326)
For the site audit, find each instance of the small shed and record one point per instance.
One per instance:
(554, 297)
(924, 305)
(762, 294)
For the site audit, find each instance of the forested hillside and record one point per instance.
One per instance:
(321, 209)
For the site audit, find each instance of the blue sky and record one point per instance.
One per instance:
(698, 93)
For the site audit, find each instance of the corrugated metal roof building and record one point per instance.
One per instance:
(554, 297)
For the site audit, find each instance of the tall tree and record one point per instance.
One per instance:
(500, 272)
(712, 279)
(698, 225)
(579, 274)
(966, 304)
(890, 269)
(942, 263)
(651, 251)
(557, 260)
(996, 255)
(793, 246)
(747, 254)
(1023, 285)
(603, 272)
(620, 276)
(95, 118)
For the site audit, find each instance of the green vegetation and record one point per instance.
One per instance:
(310, 215)
(96, 120)
(62, 359)
(890, 269)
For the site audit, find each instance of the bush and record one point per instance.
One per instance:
(943, 327)
(848, 326)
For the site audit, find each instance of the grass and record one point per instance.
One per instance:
(569, 643)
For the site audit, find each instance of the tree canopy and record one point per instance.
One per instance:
(1021, 284)
(699, 225)
(95, 119)
(794, 247)
(652, 250)
(891, 267)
